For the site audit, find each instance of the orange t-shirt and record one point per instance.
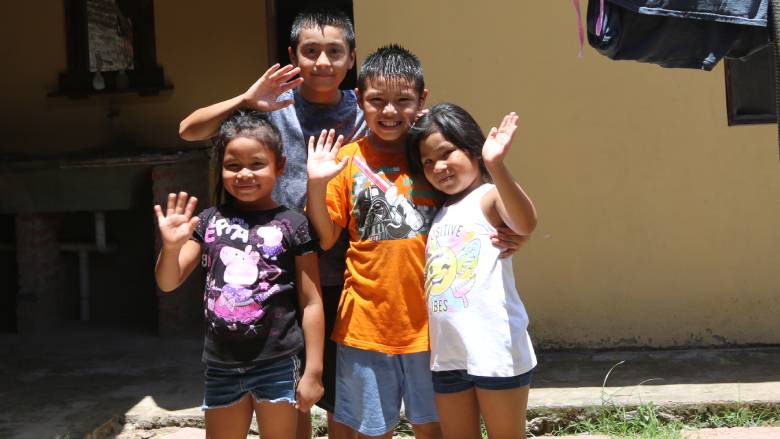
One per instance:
(388, 214)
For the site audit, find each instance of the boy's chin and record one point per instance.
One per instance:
(386, 138)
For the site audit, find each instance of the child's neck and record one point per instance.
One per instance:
(258, 205)
(330, 97)
(387, 147)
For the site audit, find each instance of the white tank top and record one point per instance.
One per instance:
(477, 321)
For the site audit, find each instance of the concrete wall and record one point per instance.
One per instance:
(658, 222)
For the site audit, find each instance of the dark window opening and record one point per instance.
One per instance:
(110, 49)
(281, 14)
(750, 89)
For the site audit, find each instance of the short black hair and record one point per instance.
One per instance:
(392, 62)
(319, 18)
(243, 123)
(456, 125)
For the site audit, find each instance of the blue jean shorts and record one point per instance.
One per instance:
(371, 385)
(453, 381)
(274, 382)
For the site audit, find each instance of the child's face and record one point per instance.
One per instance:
(249, 171)
(447, 167)
(390, 107)
(324, 58)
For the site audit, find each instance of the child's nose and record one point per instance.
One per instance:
(440, 166)
(389, 108)
(323, 60)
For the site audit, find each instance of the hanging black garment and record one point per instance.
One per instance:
(677, 33)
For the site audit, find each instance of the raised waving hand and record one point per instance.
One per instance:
(321, 164)
(178, 223)
(499, 139)
(263, 93)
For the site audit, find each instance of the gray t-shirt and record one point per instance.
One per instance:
(297, 123)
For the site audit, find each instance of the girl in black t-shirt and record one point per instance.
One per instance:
(262, 269)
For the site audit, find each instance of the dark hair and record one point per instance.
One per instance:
(243, 123)
(319, 18)
(392, 62)
(456, 125)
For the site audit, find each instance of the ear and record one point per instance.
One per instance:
(352, 58)
(281, 163)
(423, 97)
(293, 58)
(359, 99)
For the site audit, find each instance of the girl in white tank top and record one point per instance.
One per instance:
(481, 354)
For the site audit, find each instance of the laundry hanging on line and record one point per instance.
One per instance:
(677, 33)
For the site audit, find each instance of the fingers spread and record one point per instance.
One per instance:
(171, 204)
(311, 145)
(291, 84)
(191, 206)
(271, 70)
(158, 213)
(181, 203)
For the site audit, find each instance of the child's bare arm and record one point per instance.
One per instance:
(179, 255)
(509, 200)
(322, 166)
(310, 388)
(204, 122)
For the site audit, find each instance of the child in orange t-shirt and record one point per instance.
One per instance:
(366, 188)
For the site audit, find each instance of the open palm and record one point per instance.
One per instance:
(321, 164)
(177, 224)
(263, 94)
(499, 139)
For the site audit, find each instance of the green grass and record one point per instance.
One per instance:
(642, 422)
(648, 421)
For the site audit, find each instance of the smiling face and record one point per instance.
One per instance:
(390, 107)
(249, 172)
(447, 167)
(324, 57)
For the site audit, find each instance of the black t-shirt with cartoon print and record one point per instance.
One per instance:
(250, 299)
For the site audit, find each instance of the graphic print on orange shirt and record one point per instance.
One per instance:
(382, 211)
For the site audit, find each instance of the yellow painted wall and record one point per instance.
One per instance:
(208, 51)
(659, 224)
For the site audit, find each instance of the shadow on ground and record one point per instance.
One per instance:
(67, 383)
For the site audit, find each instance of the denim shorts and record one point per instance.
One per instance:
(274, 382)
(370, 386)
(453, 381)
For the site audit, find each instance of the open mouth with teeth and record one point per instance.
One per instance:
(390, 124)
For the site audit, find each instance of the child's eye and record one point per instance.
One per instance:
(426, 163)
(258, 165)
